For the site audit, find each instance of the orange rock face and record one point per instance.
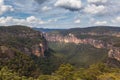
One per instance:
(39, 49)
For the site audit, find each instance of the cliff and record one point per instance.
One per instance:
(72, 39)
(114, 52)
(24, 39)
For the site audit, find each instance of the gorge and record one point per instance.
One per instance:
(70, 37)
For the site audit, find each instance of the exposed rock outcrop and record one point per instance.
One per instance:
(39, 49)
(114, 53)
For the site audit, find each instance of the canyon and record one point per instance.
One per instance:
(113, 52)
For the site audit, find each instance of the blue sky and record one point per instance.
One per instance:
(60, 13)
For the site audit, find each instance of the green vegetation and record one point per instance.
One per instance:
(97, 71)
(19, 62)
(19, 37)
(16, 46)
(96, 29)
(47, 64)
(80, 55)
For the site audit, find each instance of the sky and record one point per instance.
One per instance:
(60, 14)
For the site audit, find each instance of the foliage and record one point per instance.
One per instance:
(80, 55)
(109, 76)
(6, 74)
(98, 71)
(65, 71)
(47, 64)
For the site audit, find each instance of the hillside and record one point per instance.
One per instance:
(17, 61)
(23, 38)
(25, 51)
(47, 30)
(81, 55)
(97, 29)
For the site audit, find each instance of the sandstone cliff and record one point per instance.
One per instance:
(72, 39)
(114, 52)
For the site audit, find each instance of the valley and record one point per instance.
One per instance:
(105, 40)
(70, 54)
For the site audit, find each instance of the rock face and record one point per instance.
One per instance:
(72, 39)
(114, 52)
(39, 49)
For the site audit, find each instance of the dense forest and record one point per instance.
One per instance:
(99, 71)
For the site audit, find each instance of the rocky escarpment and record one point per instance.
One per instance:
(72, 39)
(114, 52)
(24, 39)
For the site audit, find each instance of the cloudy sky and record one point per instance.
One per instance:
(60, 13)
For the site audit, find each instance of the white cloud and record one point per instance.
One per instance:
(29, 21)
(33, 19)
(4, 8)
(46, 8)
(69, 4)
(77, 21)
(116, 20)
(101, 23)
(52, 20)
(1, 2)
(97, 1)
(93, 9)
